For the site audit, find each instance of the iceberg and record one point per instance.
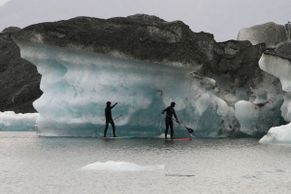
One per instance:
(10, 121)
(278, 64)
(143, 63)
(269, 33)
(280, 135)
(278, 67)
(77, 84)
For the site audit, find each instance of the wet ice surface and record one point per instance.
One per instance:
(53, 165)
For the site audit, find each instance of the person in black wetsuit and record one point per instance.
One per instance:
(170, 111)
(108, 116)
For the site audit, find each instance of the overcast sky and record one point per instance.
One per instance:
(223, 18)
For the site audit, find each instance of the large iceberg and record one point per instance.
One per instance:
(77, 84)
(144, 63)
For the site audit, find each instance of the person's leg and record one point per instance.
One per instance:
(172, 130)
(167, 127)
(106, 127)
(113, 128)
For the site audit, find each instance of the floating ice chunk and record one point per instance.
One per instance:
(9, 121)
(120, 166)
(281, 134)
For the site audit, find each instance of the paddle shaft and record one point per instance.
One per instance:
(190, 130)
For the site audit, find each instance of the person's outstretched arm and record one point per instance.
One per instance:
(177, 120)
(114, 105)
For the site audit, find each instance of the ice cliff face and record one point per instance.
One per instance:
(144, 62)
(77, 84)
(269, 33)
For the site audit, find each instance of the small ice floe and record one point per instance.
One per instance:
(120, 166)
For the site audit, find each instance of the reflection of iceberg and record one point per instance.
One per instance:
(76, 86)
(121, 166)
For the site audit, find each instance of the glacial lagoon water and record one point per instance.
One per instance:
(29, 164)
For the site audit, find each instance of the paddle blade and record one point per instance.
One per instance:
(190, 130)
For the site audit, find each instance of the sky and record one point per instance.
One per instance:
(223, 18)
(2, 2)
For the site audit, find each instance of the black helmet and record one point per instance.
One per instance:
(173, 104)
(108, 103)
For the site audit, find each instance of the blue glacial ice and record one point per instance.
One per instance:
(77, 84)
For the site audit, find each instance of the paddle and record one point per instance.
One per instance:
(190, 130)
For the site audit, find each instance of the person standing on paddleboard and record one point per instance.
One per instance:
(170, 111)
(108, 116)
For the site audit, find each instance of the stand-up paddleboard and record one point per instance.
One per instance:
(162, 136)
(132, 137)
(180, 139)
(118, 137)
(183, 139)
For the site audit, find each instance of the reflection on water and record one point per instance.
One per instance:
(52, 165)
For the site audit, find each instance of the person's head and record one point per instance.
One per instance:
(108, 103)
(173, 104)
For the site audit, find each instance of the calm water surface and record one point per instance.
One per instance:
(29, 164)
